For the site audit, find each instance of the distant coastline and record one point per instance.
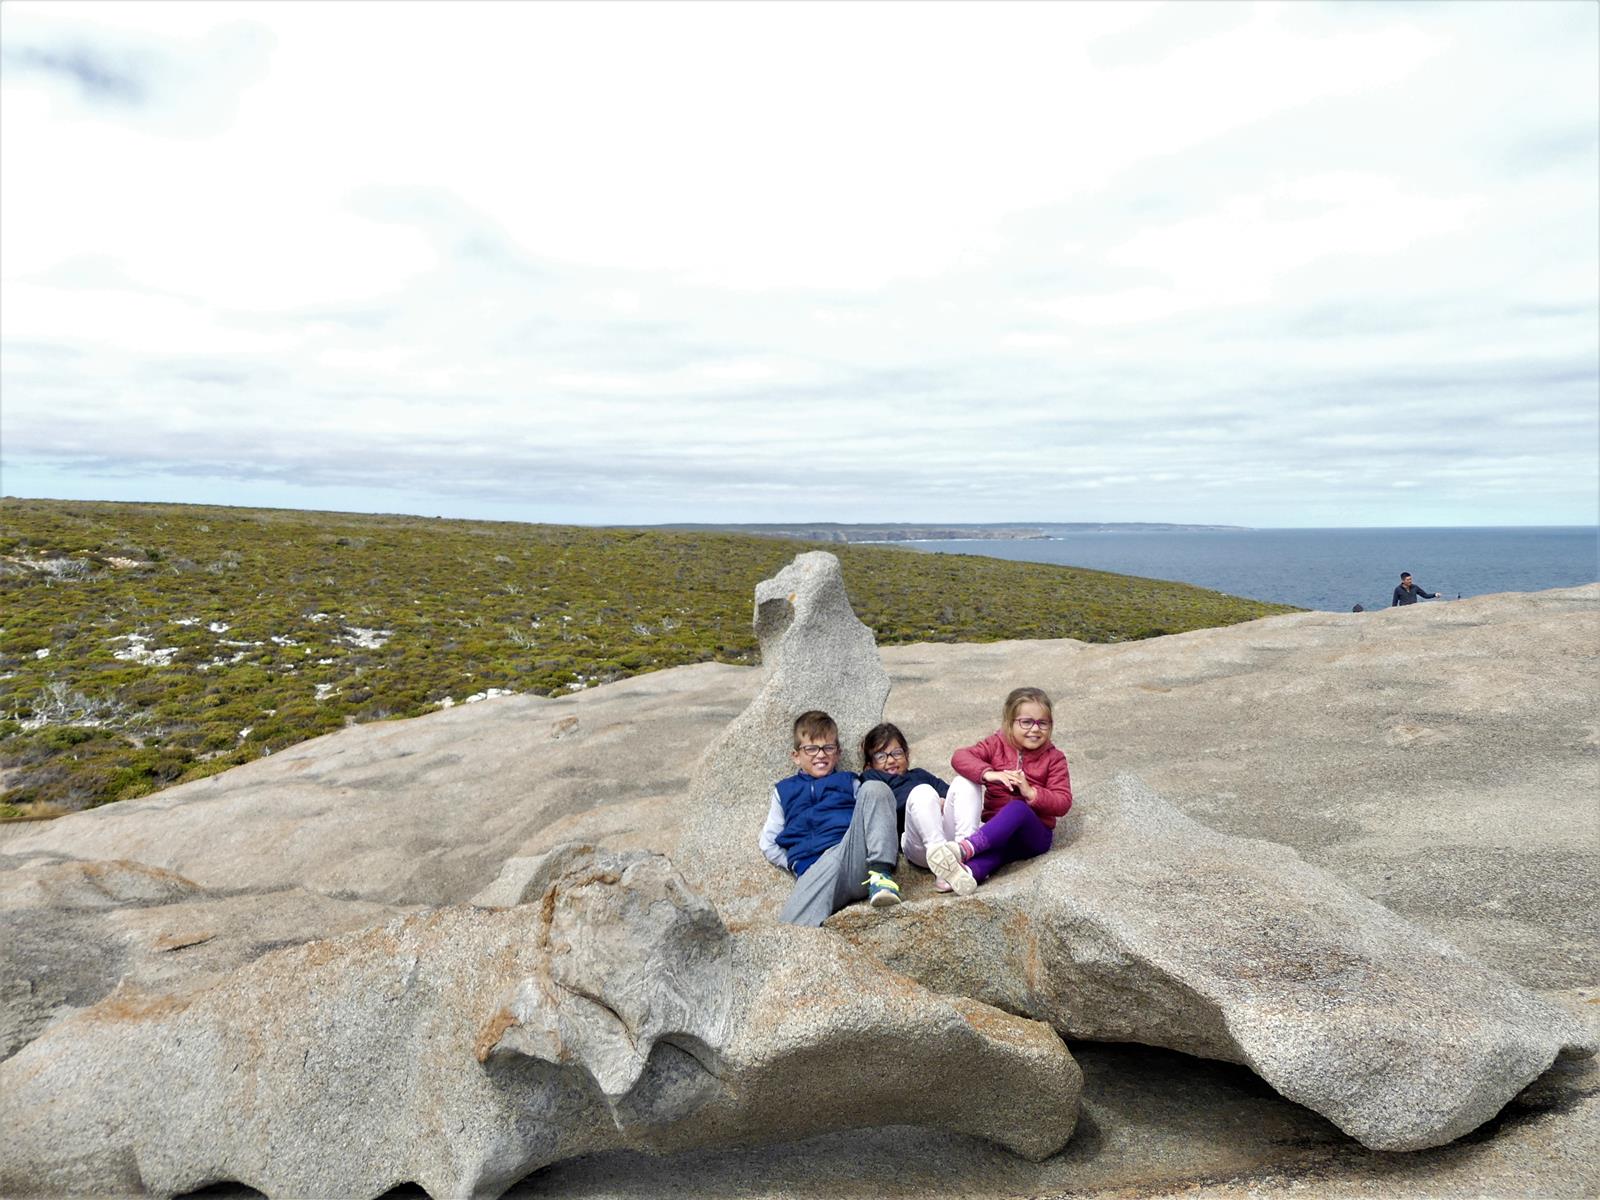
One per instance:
(1330, 570)
(897, 531)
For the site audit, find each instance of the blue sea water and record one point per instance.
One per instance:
(1327, 569)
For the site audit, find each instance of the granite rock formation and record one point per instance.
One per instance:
(1144, 926)
(75, 930)
(1440, 761)
(463, 1048)
(815, 654)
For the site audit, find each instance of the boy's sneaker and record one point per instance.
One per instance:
(882, 890)
(944, 860)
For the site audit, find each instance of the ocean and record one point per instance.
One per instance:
(1327, 569)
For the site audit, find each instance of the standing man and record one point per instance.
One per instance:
(1408, 592)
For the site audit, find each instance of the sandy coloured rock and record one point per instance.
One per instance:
(424, 811)
(815, 654)
(75, 930)
(462, 1048)
(1144, 926)
(1440, 760)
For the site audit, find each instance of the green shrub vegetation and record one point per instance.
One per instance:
(143, 644)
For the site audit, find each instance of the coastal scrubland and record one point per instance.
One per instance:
(143, 645)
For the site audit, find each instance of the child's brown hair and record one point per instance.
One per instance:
(817, 725)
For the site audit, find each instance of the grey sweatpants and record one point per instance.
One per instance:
(839, 877)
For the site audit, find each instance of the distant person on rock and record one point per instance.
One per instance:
(833, 832)
(1020, 780)
(1407, 592)
(925, 818)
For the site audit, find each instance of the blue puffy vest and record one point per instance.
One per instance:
(816, 812)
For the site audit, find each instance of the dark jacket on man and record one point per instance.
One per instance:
(1407, 593)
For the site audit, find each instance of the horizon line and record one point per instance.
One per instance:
(736, 525)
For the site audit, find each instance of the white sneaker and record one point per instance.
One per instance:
(944, 860)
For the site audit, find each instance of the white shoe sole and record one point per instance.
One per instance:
(884, 899)
(944, 860)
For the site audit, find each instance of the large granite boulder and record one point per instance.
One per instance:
(1144, 926)
(424, 811)
(1438, 760)
(75, 930)
(815, 654)
(462, 1048)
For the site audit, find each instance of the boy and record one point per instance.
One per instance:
(834, 833)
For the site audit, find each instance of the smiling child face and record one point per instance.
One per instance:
(1030, 728)
(816, 759)
(892, 759)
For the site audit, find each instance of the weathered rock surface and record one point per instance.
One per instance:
(1440, 759)
(1144, 926)
(815, 654)
(462, 1048)
(425, 811)
(74, 930)
(1485, 833)
(1154, 1124)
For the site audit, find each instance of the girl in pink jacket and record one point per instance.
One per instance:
(1021, 780)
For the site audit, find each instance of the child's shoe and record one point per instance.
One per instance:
(944, 860)
(882, 890)
(940, 885)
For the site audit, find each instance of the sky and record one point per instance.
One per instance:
(1255, 264)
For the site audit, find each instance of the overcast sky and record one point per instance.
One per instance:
(1268, 265)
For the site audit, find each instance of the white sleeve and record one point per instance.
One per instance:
(769, 834)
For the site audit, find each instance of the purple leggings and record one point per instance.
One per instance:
(1012, 834)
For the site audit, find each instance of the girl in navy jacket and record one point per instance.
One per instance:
(925, 818)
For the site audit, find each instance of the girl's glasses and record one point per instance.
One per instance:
(1033, 723)
(885, 756)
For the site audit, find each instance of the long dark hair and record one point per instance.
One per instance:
(881, 737)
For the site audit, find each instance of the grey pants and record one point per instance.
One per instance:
(839, 877)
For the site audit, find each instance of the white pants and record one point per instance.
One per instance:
(930, 820)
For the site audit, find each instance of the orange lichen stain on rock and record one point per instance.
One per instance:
(320, 953)
(492, 1033)
(102, 867)
(998, 1026)
(1033, 967)
(128, 1003)
(177, 941)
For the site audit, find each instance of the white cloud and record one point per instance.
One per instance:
(708, 261)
